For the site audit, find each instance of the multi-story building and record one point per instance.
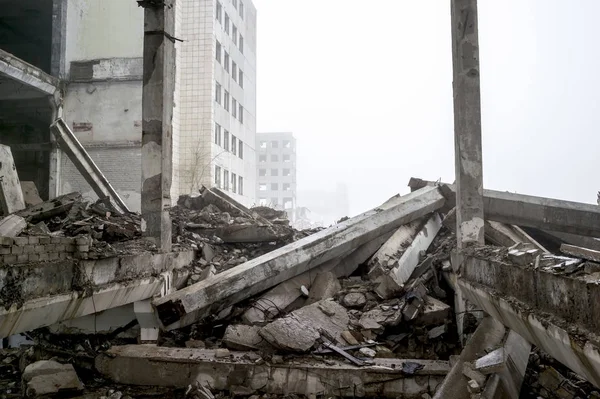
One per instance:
(276, 165)
(88, 56)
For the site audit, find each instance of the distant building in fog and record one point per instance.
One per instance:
(326, 207)
(276, 171)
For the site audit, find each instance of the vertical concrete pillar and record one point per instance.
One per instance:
(11, 195)
(157, 115)
(467, 137)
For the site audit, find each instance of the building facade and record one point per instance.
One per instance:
(276, 171)
(94, 50)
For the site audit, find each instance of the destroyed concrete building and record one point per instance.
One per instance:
(450, 291)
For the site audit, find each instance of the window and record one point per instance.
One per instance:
(241, 10)
(262, 201)
(241, 114)
(234, 70)
(287, 144)
(287, 172)
(262, 172)
(218, 176)
(234, 34)
(241, 79)
(274, 202)
(218, 93)
(241, 44)
(217, 134)
(287, 186)
(234, 182)
(287, 158)
(234, 145)
(288, 203)
(240, 185)
(226, 180)
(274, 144)
(262, 187)
(219, 13)
(274, 186)
(226, 141)
(226, 61)
(274, 172)
(234, 2)
(226, 26)
(274, 158)
(262, 158)
(226, 100)
(218, 52)
(241, 149)
(263, 144)
(233, 107)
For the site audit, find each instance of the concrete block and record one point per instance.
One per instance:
(11, 196)
(12, 226)
(4, 250)
(299, 331)
(244, 338)
(48, 377)
(146, 318)
(252, 233)
(6, 241)
(491, 363)
(16, 250)
(326, 286)
(199, 300)
(579, 252)
(354, 300)
(31, 196)
(387, 256)
(434, 312)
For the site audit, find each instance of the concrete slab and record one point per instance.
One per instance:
(579, 252)
(387, 256)
(251, 233)
(180, 367)
(529, 211)
(244, 338)
(12, 226)
(22, 72)
(11, 196)
(31, 196)
(214, 294)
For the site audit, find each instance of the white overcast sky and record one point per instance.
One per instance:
(366, 87)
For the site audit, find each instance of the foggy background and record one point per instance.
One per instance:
(366, 87)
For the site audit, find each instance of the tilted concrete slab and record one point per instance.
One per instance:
(217, 293)
(11, 195)
(27, 74)
(579, 252)
(12, 226)
(529, 211)
(241, 373)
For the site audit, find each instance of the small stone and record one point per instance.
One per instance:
(473, 386)
(222, 353)
(304, 291)
(196, 344)
(354, 300)
(368, 352)
(349, 338)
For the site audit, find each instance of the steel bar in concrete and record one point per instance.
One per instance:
(529, 211)
(582, 253)
(488, 336)
(241, 373)
(157, 119)
(11, 196)
(217, 293)
(27, 74)
(576, 352)
(84, 163)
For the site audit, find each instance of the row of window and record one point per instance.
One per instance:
(275, 187)
(240, 9)
(229, 103)
(275, 158)
(235, 183)
(236, 37)
(236, 73)
(275, 172)
(235, 145)
(275, 144)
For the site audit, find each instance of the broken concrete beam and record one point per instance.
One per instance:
(392, 282)
(244, 338)
(84, 163)
(529, 211)
(579, 252)
(387, 256)
(180, 367)
(578, 241)
(252, 233)
(47, 377)
(28, 75)
(31, 196)
(491, 363)
(300, 331)
(51, 208)
(271, 303)
(11, 196)
(488, 336)
(516, 351)
(12, 226)
(580, 354)
(197, 301)
(325, 286)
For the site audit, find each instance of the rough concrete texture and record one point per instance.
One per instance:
(194, 303)
(516, 351)
(12, 226)
(583, 253)
(491, 363)
(28, 75)
(174, 367)
(387, 256)
(244, 338)
(250, 233)
(11, 196)
(434, 312)
(31, 196)
(299, 331)
(326, 286)
(48, 377)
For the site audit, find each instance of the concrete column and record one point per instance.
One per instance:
(157, 115)
(467, 123)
